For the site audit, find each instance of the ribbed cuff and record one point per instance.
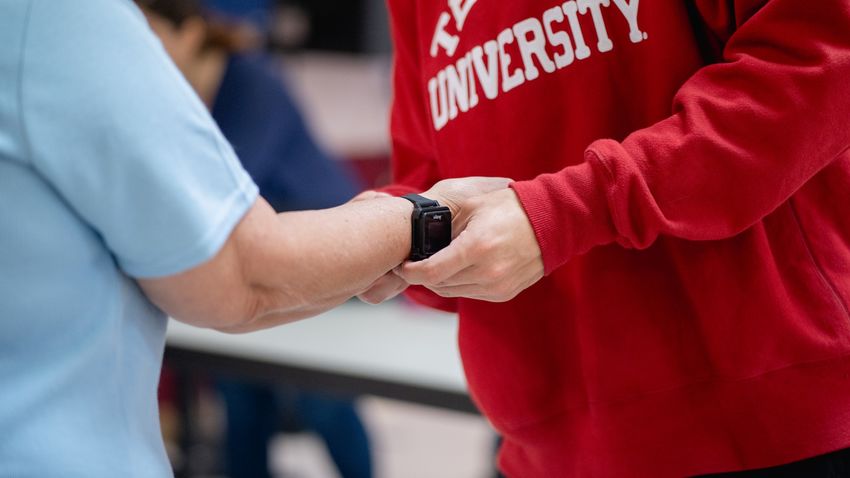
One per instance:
(568, 211)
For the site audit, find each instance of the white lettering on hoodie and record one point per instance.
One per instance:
(492, 65)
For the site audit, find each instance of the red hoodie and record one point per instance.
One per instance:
(694, 316)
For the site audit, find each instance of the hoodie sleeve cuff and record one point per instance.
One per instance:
(568, 211)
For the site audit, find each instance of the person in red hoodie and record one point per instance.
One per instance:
(664, 290)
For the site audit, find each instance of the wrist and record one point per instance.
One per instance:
(431, 226)
(443, 200)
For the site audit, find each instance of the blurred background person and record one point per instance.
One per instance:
(247, 96)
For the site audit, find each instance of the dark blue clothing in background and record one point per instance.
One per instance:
(261, 121)
(257, 412)
(257, 12)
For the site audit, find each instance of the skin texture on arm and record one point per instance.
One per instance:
(278, 268)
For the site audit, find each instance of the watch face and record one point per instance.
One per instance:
(437, 231)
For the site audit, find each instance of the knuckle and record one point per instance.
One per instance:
(413, 274)
(480, 246)
(474, 202)
(497, 272)
(490, 245)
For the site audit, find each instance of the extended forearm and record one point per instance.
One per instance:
(309, 261)
(275, 268)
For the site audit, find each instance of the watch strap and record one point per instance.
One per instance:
(420, 202)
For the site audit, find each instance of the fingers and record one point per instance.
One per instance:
(468, 291)
(483, 283)
(439, 267)
(385, 288)
(475, 291)
(470, 275)
(495, 257)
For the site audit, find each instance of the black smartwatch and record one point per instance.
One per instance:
(432, 227)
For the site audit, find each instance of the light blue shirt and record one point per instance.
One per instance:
(110, 168)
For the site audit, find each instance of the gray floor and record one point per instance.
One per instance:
(409, 441)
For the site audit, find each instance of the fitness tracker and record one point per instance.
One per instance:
(432, 227)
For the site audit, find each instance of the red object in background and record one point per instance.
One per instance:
(694, 317)
(167, 392)
(374, 172)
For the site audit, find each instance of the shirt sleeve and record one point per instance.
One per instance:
(744, 135)
(114, 128)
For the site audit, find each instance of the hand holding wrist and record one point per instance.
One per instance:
(494, 257)
(452, 193)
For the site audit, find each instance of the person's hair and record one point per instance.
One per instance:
(222, 34)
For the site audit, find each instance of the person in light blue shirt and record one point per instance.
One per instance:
(84, 203)
(120, 202)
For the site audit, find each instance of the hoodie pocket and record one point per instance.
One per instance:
(779, 308)
(828, 284)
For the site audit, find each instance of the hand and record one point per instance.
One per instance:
(385, 288)
(450, 193)
(494, 257)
